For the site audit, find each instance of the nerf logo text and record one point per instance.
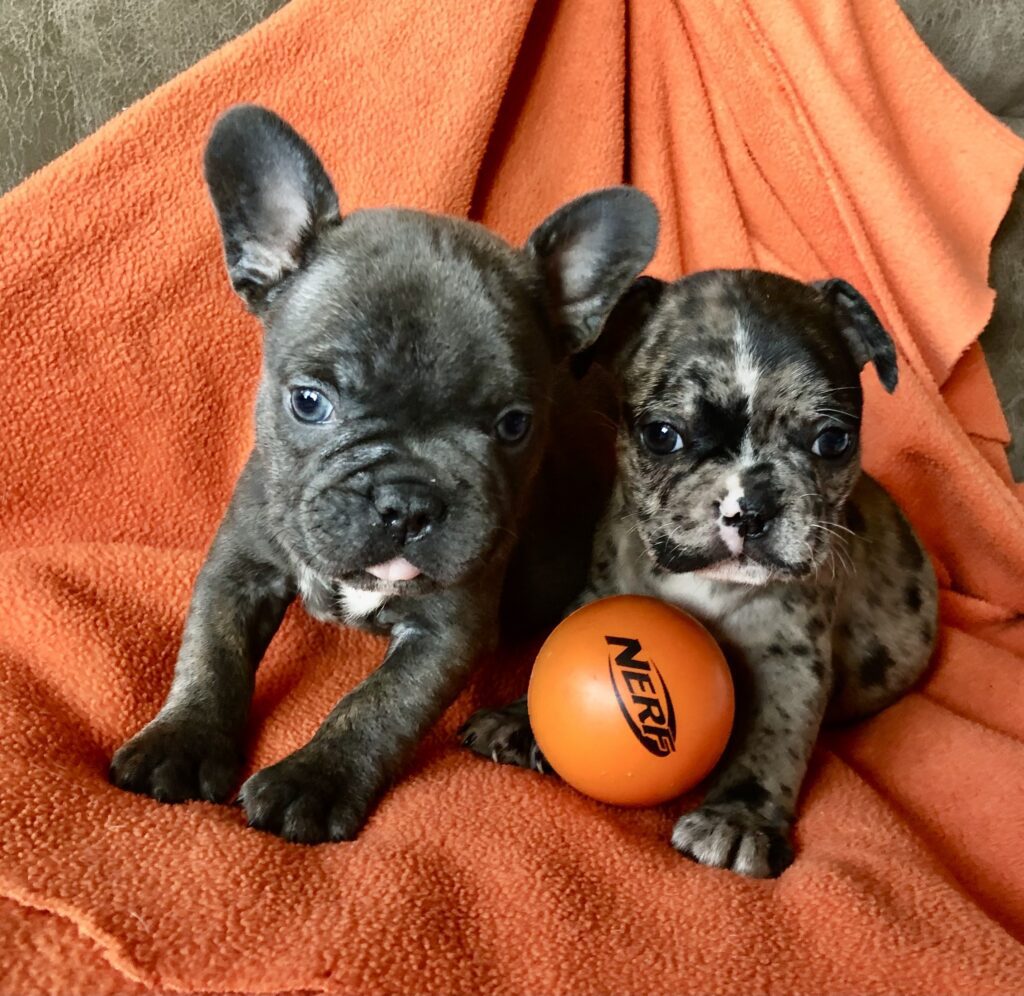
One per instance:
(643, 695)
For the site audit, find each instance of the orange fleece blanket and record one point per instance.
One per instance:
(813, 138)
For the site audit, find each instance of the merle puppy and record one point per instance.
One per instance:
(740, 498)
(405, 400)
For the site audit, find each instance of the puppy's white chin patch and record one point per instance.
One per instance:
(398, 569)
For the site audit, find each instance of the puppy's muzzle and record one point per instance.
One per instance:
(753, 516)
(409, 510)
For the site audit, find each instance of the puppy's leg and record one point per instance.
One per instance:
(782, 684)
(504, 735)
(326, 789)
(887, 619)
(193, 748)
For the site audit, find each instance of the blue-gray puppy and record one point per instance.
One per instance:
(402, 416)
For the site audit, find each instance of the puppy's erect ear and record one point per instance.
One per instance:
(858, 324)
(590, 251)
(621, 331)
(272, 197)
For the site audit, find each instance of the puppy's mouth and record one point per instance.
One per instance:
(753, 567)
(396, 569)
(740, 569)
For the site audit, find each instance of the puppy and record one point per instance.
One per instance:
(740, 499)
(405, 399)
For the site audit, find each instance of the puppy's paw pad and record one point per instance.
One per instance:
(504, 736)
(174, 762)
(302, 801)
(733, 836)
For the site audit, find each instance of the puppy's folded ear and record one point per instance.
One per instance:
(858, 324)
(590, 251)
(272, 197)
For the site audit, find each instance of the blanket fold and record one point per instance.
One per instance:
(815, 139)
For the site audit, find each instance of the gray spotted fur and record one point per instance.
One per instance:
(831, 613)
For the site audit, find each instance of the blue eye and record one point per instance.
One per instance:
(309, 405)
(831, 444)
(513, 426)
(660, 438)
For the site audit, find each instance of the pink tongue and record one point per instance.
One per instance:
(398, 569)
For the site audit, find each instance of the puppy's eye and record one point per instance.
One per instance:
(831, 444)
(660, 438)
(309, 405)
(513, 426)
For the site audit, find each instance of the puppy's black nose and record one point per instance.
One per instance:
(755, 516)
(408, 509)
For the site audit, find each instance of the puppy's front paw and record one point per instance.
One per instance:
(304, 799)
(504, 736)
(173, 761)
(731, 835)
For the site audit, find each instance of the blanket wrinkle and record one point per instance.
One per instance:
(816, 139)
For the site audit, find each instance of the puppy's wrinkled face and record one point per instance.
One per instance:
(408, 357)
(742, 409)
(404, 399)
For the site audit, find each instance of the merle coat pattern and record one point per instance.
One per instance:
(740, 498)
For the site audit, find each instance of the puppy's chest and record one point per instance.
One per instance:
(630, 573)
(729, 610)
(338, 603)
(722, 607)
(745, 617)
(689, 594)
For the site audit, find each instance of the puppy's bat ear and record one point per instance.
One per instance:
(589, 252)
(859, 326)
(272, 197)
(622, 329)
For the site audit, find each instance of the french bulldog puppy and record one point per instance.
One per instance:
(740, 499)
(405, 401)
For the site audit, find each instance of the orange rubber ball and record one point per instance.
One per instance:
(631, 701)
